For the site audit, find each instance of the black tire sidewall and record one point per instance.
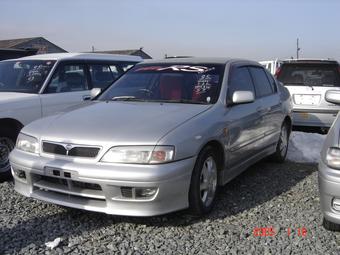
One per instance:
(277, 156)
(195, 203)
(5, 133)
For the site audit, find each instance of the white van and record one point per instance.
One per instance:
(271, 65)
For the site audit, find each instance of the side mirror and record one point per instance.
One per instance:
(333, 96)
(95, 92)
(243, 97)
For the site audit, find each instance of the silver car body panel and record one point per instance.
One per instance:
(329, 178)
(246, 133)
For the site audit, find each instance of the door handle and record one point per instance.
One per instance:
(86, 97)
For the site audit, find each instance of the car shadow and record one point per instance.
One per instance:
(257, 185)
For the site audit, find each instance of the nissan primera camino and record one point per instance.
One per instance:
(160, 139)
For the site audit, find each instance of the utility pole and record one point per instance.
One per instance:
(92, 48)
(297, 48)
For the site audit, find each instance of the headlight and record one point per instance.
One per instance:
(27, 143)
(139, 154)
(333, 157)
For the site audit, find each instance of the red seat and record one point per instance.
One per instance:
(170, 87)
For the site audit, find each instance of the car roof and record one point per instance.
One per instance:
(198, 60)
(310, 61)
(82, 56)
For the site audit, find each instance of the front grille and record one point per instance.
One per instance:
(67, 186)
(53, 180)
(75, 151)
(86, 185)
(54, 148)
(126, 192)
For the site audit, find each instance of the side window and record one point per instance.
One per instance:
(240, 79)
(272, 82)
(127, 66)
(68, 78)
(261, 82)
(102, 75)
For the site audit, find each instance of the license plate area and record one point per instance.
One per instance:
(307, 99)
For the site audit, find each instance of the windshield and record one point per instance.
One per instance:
(310, 75)
(25, 76)
(185, 83)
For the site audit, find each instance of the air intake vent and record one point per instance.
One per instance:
(126, 192)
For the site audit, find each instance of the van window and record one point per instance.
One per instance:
(68, 78)
(102, 75)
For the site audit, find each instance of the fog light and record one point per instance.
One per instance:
(336, 204)
(145, 192)
(20, 173)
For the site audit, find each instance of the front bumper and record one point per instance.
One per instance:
(313, 118)
(329, 188)
(102, 187)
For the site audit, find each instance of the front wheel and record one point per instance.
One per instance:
(203, 183)
(330, 225)
(6, 146)
(282, 145)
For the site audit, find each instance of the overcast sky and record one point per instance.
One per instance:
(258, 29)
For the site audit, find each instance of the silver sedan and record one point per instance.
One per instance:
(160, 139)
(329, 170)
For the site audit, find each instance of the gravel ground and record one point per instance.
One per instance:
(267, 195)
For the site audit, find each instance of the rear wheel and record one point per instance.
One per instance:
(282, 145)
(330, 225)
(203, 183)
(6, 146)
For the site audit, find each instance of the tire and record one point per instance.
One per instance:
(203, 186)
(6, 146)
(330, 225)
(282, 145)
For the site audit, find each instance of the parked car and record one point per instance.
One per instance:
(308, 81)
(41, 85)
(329, 174)
(160, 139)
(272, 65)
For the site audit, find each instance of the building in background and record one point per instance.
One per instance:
(16, 53)
(134, 52)
(40, 44)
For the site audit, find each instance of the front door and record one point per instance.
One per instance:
(243, 120)
(68, 86)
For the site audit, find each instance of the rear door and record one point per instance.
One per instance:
(68, 86)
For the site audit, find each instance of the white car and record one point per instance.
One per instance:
(41, 85)
(272, 65)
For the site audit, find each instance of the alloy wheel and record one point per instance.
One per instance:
(208, 181)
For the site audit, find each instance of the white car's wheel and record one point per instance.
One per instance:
(6, 146)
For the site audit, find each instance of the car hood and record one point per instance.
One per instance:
(115, 122)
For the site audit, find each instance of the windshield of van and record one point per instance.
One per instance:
(171, 83)
(26, 76)
(326, 75)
